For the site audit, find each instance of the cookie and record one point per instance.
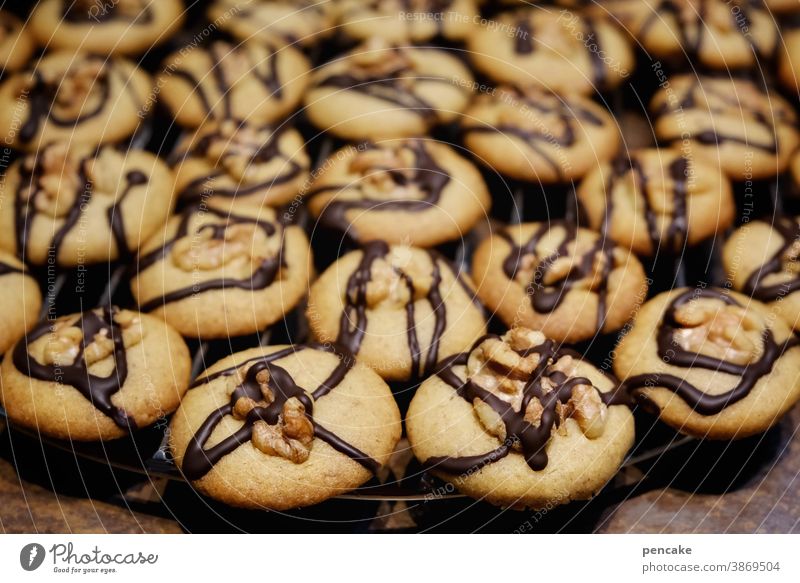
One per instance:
(716, 34)
(410, 191)
(782, 6)
(280, 427)
(380, 91)
(398, 309)
(731, 122)
(559, 50)
(105, 27)
(520, 423)
(761, 260)
(257, 82)
(789, 59)
(715, 363)
(95, 376)
(73, 97)
(78, 205)
(555, 277)
(16, 43)
(284, 22)
(533, 134)
(253, 163)
(657, 201)
(219, 270)
(20, 300)
(407, 22)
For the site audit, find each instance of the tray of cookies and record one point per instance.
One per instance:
(396, 269)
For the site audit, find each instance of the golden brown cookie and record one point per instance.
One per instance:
(410, 191)
(730, 122)
(284, 426)
(95, 376)
(73, 97)
(258, 82)
(520, 423)
(789, 59)
(380, 91)
(554, 277)
(20, 300)
(220, 269)
(253, 163)
(715, 363)
(16, 43)
(532, 134)
(79, 205)
(398, 309)
(657, 201)
(559, 50)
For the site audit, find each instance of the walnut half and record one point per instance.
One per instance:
(290, 438)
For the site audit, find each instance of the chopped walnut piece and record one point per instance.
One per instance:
(290, 438)
(397, 280)
(241, 249)
(78, 88)
(242, 407)
(587, 408)
(56, 188)
(295, 422)
(63, 345)
(262, 378)
(533, 412)
(490, 419)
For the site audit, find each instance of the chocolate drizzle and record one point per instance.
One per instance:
(97, 390)
(263, 276)
(198, 460)
(532, 440)
(789, 230)
(670, 351)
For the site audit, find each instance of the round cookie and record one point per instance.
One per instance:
(105, 27)
(81, 205)
(95, 376)
(558, 50)
(520, 423)
(657, 201)
(397, 21)
(73, 97)
(254, 163)
(219, 270)
(717, 34)
(20, 300)
(279, 427)
(789, 59)
(532, 134)
(715, 363)
(410, 191)
(16, 43)
(285, 22)
(782, 6)
(258, 82)
(554, 277)
(731, 122)
(761, 260)
(398, 309)
(378, 91)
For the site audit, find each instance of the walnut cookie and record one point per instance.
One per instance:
(280, 427)
(253, 163)
(95, 376)
(380, 91)
(398, 309)
(79, 205)
(554, 277)
(715, 363)
(413, 191)
(127, 27)
(731, 122)
(761, 260)
(74, 97)
(520, 423)
(20, 300)
(16, 43)
(220, 269)
(657, 201)
(258, 82)
(532, 134)
(558, 50)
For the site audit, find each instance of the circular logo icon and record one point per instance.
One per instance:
(31, 556)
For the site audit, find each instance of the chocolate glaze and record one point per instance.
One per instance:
(97, 390)
(789, 230)
(531, 439)
(261, 278)
(6, 269)
(198, 461)
(671, 352)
